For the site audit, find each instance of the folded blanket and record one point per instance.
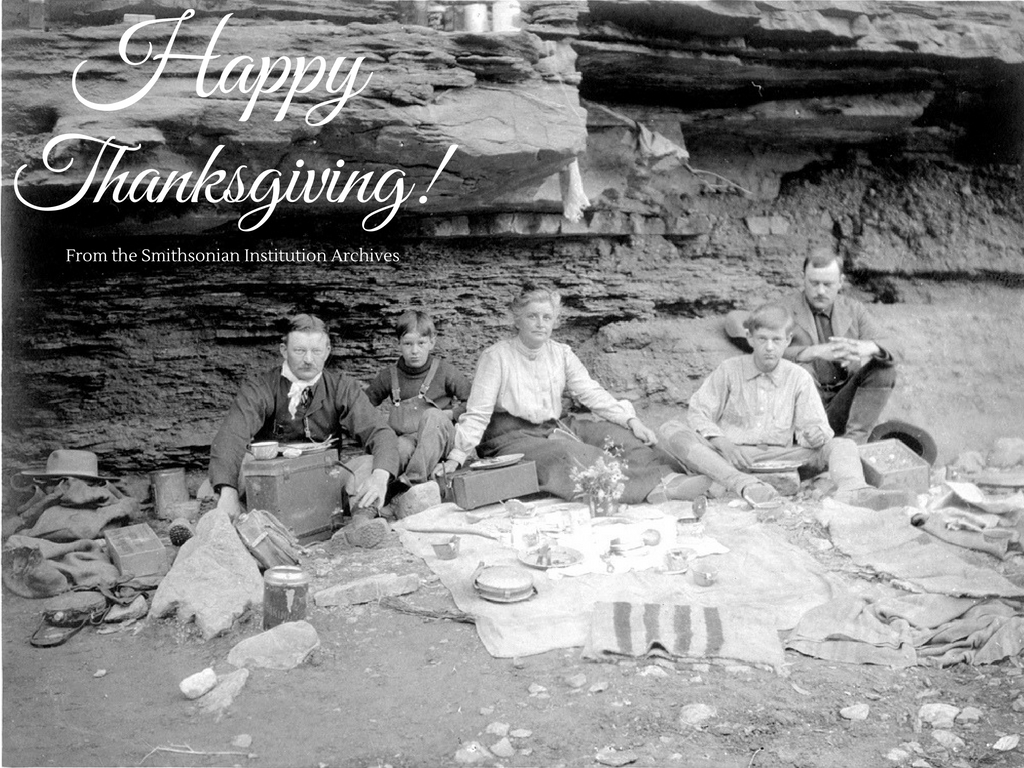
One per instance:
(679, 631)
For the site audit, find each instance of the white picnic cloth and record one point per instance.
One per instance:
(760, 570)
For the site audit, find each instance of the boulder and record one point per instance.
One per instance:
(938, 715)
(284, 647)
(214, 579)
(416, 499)
(1006, 452)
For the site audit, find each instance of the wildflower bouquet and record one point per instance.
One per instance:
(601, 484)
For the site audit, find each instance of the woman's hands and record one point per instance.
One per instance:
(642, 431)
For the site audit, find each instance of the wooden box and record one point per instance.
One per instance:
(891, 464)
(476, 487)
(136, 550)
(304, 493)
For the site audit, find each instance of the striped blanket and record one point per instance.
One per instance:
(679, 631)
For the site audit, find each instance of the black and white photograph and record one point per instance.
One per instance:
(512, 383)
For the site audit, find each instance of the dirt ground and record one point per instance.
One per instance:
(388, 688)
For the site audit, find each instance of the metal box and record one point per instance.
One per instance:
(304, 493)
(136, 550)
(477, 487)
(891, 464)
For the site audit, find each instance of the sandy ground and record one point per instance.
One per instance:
(390, 688)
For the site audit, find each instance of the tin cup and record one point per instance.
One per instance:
(677, 560)
(264, 450)
(703, 576)
(447, 550)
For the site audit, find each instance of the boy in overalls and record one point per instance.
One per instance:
(427, 395)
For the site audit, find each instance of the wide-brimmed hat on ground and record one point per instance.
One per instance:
(65, 462)
(915, 438)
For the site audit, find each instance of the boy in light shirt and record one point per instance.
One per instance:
(758, 408)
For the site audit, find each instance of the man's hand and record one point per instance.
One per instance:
(446, 467)
(834, 351)
(373, 490)
(855, 351)
(228, 501)
(642, 431)
(814, 437)
(731, 452)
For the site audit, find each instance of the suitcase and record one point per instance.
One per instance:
(304, 493)
(476, 487)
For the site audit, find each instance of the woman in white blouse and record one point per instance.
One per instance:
(516, 404)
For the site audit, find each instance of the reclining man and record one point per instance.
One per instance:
(300, 401)
(760, 407)
(853, 360)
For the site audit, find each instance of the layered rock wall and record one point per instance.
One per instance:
(717, 142)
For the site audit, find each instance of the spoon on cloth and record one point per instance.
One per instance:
(467, 531)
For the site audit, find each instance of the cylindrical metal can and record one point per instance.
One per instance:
(169, 489)
(285, 594)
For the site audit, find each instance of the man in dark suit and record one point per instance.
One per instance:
(300, 400)
(852, 358)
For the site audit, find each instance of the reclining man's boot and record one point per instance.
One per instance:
(865, 410)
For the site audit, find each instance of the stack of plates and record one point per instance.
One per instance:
(504, 584)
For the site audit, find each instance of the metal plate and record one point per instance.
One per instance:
(497, 461)
(776, 466)
(306, 448)
(560, 557)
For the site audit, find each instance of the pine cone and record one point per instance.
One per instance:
(180, 531)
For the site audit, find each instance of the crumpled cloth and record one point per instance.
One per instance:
(28, 574)
(994, 541)
(885, 541)
(924, 630)
(973, 495)
(73, 492)
(683, 631)
(40, 568)
(69, 524)
(574, 197)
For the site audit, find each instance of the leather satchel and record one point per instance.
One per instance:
(266, 537)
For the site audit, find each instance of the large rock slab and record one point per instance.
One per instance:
(368, 589)
(283, 647)
(213, 580)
